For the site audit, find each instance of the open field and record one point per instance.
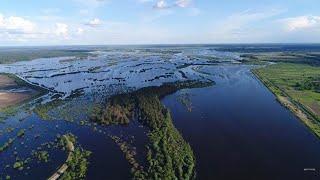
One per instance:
(13, 91)
(297, 86)
(9, 99)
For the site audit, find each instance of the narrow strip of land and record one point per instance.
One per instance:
(64, 167)
(288, 83)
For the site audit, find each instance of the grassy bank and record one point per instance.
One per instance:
(169, 155)
(297, 86)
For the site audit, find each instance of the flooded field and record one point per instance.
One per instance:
(235, 127)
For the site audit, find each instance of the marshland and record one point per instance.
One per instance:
(156, 112)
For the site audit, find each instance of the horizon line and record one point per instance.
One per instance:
(164, 44)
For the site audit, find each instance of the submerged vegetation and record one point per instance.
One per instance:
(166, 155)
(42, 156)
(7, 144)
(169, 155)
(185, 100)
(43, 110)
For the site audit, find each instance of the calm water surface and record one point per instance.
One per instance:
(238, 130)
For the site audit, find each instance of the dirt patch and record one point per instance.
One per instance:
(10, 94)
(6, 81)
(9, 99)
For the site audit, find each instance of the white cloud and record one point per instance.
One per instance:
(62, 30)
(302, 22)
(183, 3)
(94, 22)
(16, 25)
(161, 4)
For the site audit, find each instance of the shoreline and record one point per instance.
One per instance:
(285, 100)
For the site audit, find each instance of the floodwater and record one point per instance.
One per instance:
(238, 130)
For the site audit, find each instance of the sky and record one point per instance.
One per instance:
(107, 22)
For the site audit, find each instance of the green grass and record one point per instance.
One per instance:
(298, 82)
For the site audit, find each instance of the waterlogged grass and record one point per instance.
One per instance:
(298, 82)
(7, 112)
(42, 156)
(6, 145)
(169, 155)
(43, 110)
(10, 141)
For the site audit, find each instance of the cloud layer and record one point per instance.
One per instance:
(162, 21)
(15, 25)
(302, 22)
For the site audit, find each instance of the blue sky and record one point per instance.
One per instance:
(67, 22)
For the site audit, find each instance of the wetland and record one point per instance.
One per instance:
(160, 112)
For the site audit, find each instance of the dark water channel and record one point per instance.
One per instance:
(238, 130)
